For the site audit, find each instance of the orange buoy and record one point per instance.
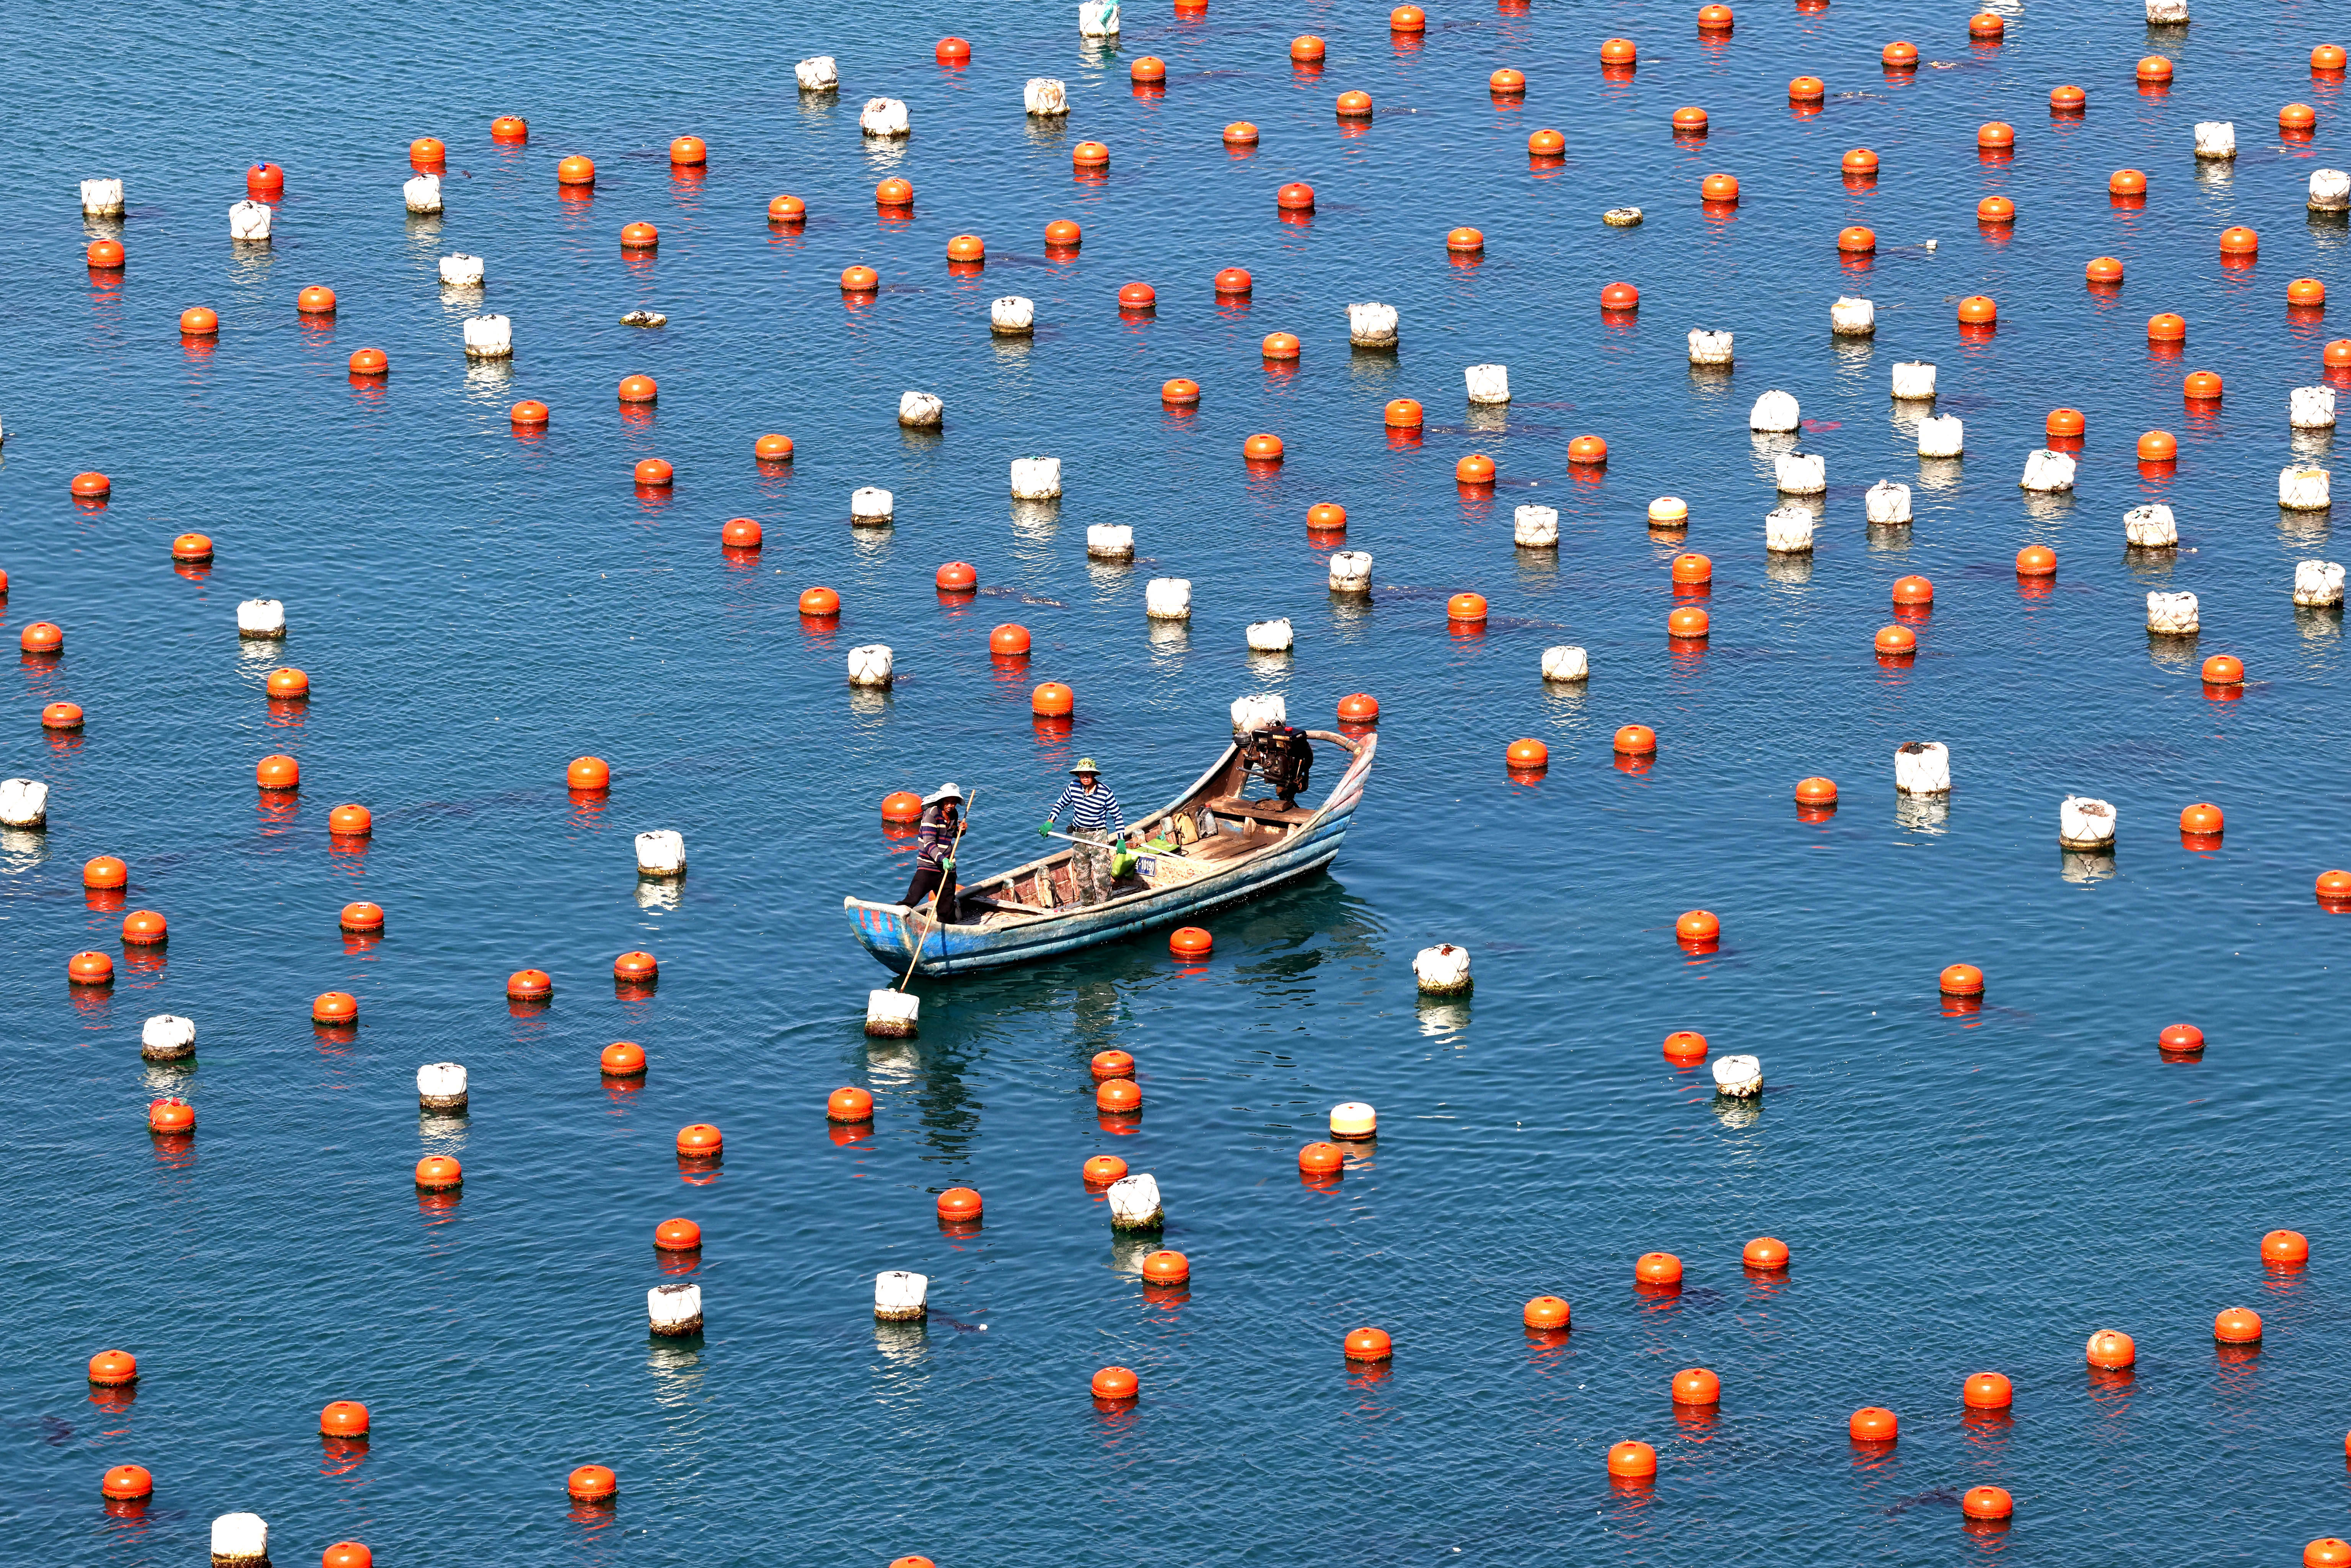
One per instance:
(126, 1483)
(1816, 791)
(1102, 1169)
(1064, 234)
(1190, 942)
(654, 472)
(700, 1140)
(1116, 1384)
(1874, 1424)
(956, 577)
(1619, 297)
(278, 772)
(1636, 740)
(1233, 281)
(1618, 52)
(787, 209)
(288, 686)
(2237, 1325)
(2066, 422)
(959, 1206)
(2036, 560)
(819, 603)
(1110, 1064)
(741, 533)
(1961, 980)
(1547, 1312)
(951, 51)
(1053, 700)
(104, 871)
(1137, 296)
(1179, 392)
(530, 986)
(677, 1236)
(1687, 625)
(1321, 1159)
(1402, 413)
(90, 968)
(1696, 1385)
(1118, 1097)
(113, 1368)
(61, 716)
(2239, 241)
(42, 637)
(1306, 47)
(2327, 58)
(361, 918)
(2204, 818)
(1164, 1267)
(2167, 327)
(576, 170)
(2104, 269)
(1689, 120)
(1507, 83)
(689, 153)
(1899, 56)
(638, 389)
(145, 928)
(1996, 135)
(2201, 386)
(1657, 1268)
(89, 486)
(2067, 100)
(2297, 116)
(2285, 1249)
(1698, 925)
(1354, 105)
(2154, 69)
(1913, 590)
(2334, 887)
(1995, 210)
(639, 237)
(2110, 1349)
(316, 300)
(1856, 241)
(1367, 1344)
(1084, 155)
(1329, 516)
(2328, 1550)
(2336, 355)
(858, 280)
(849, 1105)
(335, 1008)
(1240, 133)
(1987, 1391)
(1262, 448)
(636, 967)
(1691, 568)
(510, 128)
(199, 321)
(1009, 641)
(170, 1117)
(343, 1418)
(1718, 188)
(529, 412)
(439, 1173)
(902, 806)
(1359, 708)
(1685, 1045)
(1280, 346)
(1807, 89)
(1987, 1502)
(1295, 197)
(593, 1483)
(2126, 183)
(264, 180)
(589, 773)
(1986, 25)
(1466, 607)
(1764, 1252)
(1632, 1461)
(2157, 446)
(1714, 19)
(1860, 160)
(1477, 468)
(1978, 310)
(1407, 19)
(1587, 452)
(1526, 755)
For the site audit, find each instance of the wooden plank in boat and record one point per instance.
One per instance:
(1169, 870)
(1260, 812)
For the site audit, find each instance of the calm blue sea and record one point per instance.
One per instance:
(1961, 1193)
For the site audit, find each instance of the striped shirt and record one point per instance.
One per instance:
(935, 845)
(1095, 809)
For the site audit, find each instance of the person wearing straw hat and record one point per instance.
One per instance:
(934, 851)
(1095, 817)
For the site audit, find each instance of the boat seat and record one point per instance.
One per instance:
(1259, 811)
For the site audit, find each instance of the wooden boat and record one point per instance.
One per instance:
(1227, 848)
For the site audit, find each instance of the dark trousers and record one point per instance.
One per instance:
(927, 877)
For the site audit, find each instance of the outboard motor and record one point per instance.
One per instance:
(1280, 755)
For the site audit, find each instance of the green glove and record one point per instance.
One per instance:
(946, 867)
(1047, 830)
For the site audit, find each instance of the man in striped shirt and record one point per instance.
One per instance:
(1095, 817)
